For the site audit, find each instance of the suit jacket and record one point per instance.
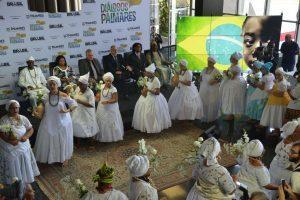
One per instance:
(111, 65)
(85, 67)
(138, 64)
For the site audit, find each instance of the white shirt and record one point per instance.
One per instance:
(295, 180)
(34, 78)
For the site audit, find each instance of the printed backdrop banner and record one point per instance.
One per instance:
(100, 24)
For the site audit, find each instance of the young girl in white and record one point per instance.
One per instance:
(185, 102)
(278, 100)
(151, 112)
(108, 114)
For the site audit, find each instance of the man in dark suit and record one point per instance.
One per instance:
(136, 60)
(92, 65)
(156, 37)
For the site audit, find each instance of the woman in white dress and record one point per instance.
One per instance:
(16, 156)
(105, 190)
(84, 116)
(209, 91)
(54, 142)
(213, 181)
(185, 102)
(252, 172)
(233, 89)
(151, 112)
(140, 187)
(108, 114)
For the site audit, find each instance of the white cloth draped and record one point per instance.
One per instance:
(141, 190)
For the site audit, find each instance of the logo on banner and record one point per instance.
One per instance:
(89, 1)
(39, 38)
(120, 39)
(19, 38)
(1, 17)
(136, 36)
(3, 50)
(37, 49)
(73, 14)
(72, 25)
(54, 15)
(2, 41)
(24, 50)
(76, 56)
(75, 44)
(54, 37)
(103, 31)
(5, 64)
(118, 12)
(15, 3)
(71, 35)
(103, 52)
(55, 26)
(41, 60)
(38, 26)
(15, 28)
(60, 53)
(55, 47)
(89, 23)
(122, 48)
(133, 28)
(90, 32)
(92, 43)
(33, 16)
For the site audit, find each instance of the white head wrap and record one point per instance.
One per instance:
(84, 79)
(279, 71)
(138, 165)
(289, 128)
(254, 149)
(7, 105)
(237, 55)
(210, 149)
(211, 59)
(184, 63)
(108, 75)
(31, 58)
(151, 68)
(55, 79)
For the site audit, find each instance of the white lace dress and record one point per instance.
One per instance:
(109, 118)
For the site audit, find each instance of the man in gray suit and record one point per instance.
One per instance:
(92, 65)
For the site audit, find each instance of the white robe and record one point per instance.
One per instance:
(210, 96)
(185, 102)
(54, 141)
(110, 195)
(109, 118)
(151, 113)
(17, 161)
(84, 118)
(141, 190)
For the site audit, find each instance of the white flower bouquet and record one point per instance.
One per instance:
(99, 86)
(8, 132)
(237, 148)
(142, 81)
(70, 89)
(192, 155)
(150, 152)
(218, 77)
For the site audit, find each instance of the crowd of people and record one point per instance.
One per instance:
(66, 107)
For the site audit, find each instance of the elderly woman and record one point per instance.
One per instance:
(140, 184)
(154, 56)
(16, 157)
(151, 112)
(104, 178)
(185, 102)
(108, 113)
(213, 181)
(253, 173)
(84, 116)
(63, 71)
(209, 91)
(54, 142)
(258, 99)
(233, 89)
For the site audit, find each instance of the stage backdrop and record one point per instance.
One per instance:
(199, 37)
(100, 24)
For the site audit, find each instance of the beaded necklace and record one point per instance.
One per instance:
(106, 93)
(32, 78)
(55, 104)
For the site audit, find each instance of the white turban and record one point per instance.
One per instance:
(289, 128)
(211, 59)
(84, 79)
(31, 58)
(279, 71)
(55, 79)
(138, 165)
(184, 63)
(210, 149)
(108, 75)
(254, 149)
(7, 105)
(237, 55)
(151, 68)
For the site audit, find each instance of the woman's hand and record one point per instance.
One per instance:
(14, 142)
(64, 110)
(281, 195)
(105, 102)
(23, 138)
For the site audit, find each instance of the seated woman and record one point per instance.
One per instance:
(63, 71)
(84, 116)
(151, 112)
(54, 141)
(108, 114)
(185, 102)
(252, 172)
(16, 157)
(209, 91)
(213, 181)
(104, 178)
(154, 56)
(293, 108)
(140, 185)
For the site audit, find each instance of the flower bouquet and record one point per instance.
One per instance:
(70, 89)
(8, 132)
(218, 77)
(98, 89)
(39, 110)
(142, 82)
(150, 152)
(229, 74)
(237, 148)
(73, 189)
(81, 188)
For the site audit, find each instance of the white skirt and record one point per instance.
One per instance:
(185, 103)
(153, 112)
(110, 123)
(211, 103)
(272, 116)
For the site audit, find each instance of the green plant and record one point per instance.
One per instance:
(164, 17)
